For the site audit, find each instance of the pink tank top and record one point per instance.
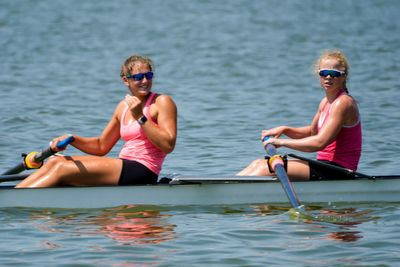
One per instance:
(137, 146)
(346, 148)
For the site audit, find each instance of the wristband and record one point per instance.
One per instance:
(142, 120)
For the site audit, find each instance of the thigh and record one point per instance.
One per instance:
(91, 170)
(298, 170)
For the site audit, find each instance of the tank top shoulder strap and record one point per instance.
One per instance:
(323, 105)
(338, 95)
(146, 109)
(124, 114)
(150, 99)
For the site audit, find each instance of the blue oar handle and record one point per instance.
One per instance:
(64, 143)
(48, 151)
(270, 148)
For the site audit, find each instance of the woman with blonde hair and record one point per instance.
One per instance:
(334, 133)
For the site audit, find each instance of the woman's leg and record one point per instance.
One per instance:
(258, 167)
(75, 171)
(296, 169)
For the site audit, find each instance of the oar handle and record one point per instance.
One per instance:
(269, 148)
(39, 157)
(64, 143)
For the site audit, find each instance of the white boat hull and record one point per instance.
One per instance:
(206, 193)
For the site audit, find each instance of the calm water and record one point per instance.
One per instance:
(233, 68)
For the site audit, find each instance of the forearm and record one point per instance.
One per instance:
(91, 145)
(307, 144)
(163, 139)
(297, 132)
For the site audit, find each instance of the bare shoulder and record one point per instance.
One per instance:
(165, 112)
(119, 109)
(165, 101)
(161, 98)
(346, 107)
(346, 102)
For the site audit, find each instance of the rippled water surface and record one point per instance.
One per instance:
(233, 68)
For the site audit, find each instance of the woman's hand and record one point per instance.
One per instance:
(274, 132)
(273, 141)
(273, 135)
(55, 141)
(135, 106)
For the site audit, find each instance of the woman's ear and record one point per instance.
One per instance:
(125, 80)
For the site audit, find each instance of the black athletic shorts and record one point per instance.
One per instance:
(134, 172)
(318, 172)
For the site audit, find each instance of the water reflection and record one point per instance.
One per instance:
(135, 225)
(347, 220)
(346, 236)
(338, 224)
(128, 225)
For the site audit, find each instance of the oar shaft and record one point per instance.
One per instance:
(16, 169)
(280, 171)
(39, 157)
(12, 177)
(48, 151)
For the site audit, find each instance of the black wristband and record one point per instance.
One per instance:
(142, 120)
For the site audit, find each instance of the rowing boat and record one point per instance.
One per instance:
(205, 191)
(199, 190)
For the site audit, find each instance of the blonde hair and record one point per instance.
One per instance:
(131, 61)
(337, 55)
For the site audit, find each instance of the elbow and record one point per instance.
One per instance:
(169, 146)
(99, 153)
(319, 146)
(103, 151)
(313, 147)
(168, 149)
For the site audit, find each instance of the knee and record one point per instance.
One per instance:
(55, 162)
(259, 163)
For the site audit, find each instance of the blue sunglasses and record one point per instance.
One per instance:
(140, 76)
(332, 73)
